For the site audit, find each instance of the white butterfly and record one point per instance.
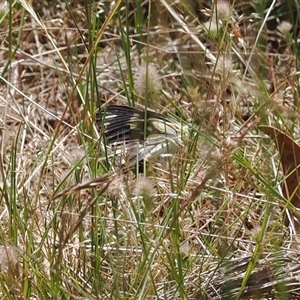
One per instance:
(133, 139)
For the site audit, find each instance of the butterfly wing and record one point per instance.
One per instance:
(132, 139)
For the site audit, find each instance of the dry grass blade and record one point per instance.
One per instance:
(104, 179)
(290, 160)
(83, 214)
(176, 203)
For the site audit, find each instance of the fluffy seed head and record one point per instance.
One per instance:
(224, 66)
(285, 27)
(116, 186)
(147, 80)
(9, 256)
(223, 10)
(144, 187)
(211, 27)
(4, 8)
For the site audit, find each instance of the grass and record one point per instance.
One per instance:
(203, 223)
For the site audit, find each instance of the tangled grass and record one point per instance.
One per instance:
(203, 223)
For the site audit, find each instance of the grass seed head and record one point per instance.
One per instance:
(223, 10)
(285, 27)
(224, 66)
(145, 189)
(147, 80)
(4, 8)
(9, 255)
(212, 27)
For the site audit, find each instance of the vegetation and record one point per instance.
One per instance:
(205, 222)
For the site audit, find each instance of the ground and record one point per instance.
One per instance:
(204, 222)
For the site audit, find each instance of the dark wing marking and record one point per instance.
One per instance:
(121, 123)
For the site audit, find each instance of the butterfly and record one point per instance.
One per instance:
(135, 135)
